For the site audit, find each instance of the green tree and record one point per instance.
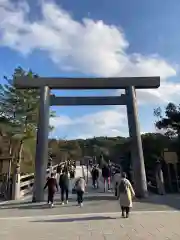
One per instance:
(19, 114)
(169, 120)
(19, 110)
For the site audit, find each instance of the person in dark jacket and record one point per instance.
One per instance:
(95, 176)
(64, 185)
(106, 176)
(52, 186)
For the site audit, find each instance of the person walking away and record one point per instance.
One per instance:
(80, 186)
(110, 171)
(106, 177)
(59, 168)
(74, 164)
(52, 186)
(125, 195)
(92, 175)
(72, 176)
(66, 167)
(116, 181)
(64, 185)
(95, 177)
(72, 172)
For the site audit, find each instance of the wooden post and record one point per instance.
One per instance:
(170, 158)
(87, 172)
(169, 177)
(176, 173)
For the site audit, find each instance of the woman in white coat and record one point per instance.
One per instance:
(125, 195)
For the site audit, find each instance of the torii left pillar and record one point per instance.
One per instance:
(41, 159)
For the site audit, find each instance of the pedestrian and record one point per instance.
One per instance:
(59, 168)
(64, 185)
(52, 186)
(125, 195)
(92, 173)
(116, 181)
(72, 172)
(72, 177)
(66, 167)
(110, 170)
(80, 186)
(95, 177)
(106, 177)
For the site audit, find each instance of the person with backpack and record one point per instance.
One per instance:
(64, 185)
(125, 195)
(80, 187)
(52, 186)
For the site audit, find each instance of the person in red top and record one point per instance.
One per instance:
(52, 186)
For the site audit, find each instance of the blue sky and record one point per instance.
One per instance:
(95, 38)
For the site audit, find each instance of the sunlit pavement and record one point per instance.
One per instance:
(92, 226)
(154, 218)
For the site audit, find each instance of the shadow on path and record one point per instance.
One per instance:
(100, 198)
(66, 220)
(31, 206)
(105, 202)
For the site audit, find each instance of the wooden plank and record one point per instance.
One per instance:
(87, 83)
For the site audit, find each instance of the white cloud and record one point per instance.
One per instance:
(110, 122)
(90, 47)
(168, 92)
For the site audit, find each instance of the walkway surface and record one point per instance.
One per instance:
(154, 218)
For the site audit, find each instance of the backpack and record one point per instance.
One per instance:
(74, 189)
(123, 186)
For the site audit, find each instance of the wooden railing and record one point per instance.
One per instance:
(27, 181)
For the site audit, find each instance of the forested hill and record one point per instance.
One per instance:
(116, 148)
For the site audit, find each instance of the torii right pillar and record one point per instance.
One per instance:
(137, 157)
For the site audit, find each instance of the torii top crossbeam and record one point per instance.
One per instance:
(87, 83)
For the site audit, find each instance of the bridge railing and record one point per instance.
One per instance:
(27, 181)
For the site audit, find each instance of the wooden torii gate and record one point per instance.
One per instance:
(128, 99)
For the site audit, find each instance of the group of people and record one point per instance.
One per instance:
(122, 187)
(106, 175)
(66, 176)
(68, 166)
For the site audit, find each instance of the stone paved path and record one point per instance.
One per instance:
(154, 218)
(143, 226)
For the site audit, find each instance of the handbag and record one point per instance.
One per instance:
(129, 194)
(74, 191)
